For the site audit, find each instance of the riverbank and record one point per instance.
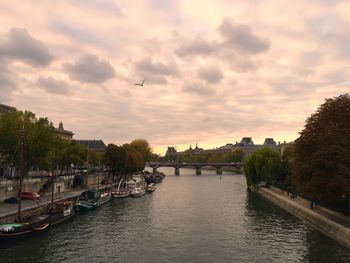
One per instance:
(332, 224)
(8, 212)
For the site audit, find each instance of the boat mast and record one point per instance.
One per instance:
(52, 180)
(21, 172)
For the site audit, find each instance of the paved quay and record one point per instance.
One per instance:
(318, 209)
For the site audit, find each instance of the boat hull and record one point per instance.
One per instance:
(104, 200)
(120, 195)
(143, 192)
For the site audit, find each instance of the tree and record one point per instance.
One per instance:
(236, 155)
(263, 165)
(115, 158)
(321, 167)
(285, 178)
(38, 139)
(142, 146)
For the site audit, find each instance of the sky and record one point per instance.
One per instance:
(215, 71)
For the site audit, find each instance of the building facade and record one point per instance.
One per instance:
(95, 145)
(64, 134)
(246, 144)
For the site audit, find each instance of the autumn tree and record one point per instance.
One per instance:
(321, 167)
(142, 146)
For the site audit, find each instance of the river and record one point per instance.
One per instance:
(189, 218)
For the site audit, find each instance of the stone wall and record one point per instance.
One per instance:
(330, 228)
(9, 188)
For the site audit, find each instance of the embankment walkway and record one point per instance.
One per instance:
(331, 223)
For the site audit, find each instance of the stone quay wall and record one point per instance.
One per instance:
(329, 227)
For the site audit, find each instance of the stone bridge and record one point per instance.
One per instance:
(197, 166)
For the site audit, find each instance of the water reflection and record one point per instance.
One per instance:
(283, 233)
(188, 218)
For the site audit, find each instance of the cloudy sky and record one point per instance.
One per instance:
(215, 70)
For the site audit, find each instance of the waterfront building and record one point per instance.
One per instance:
(64, 134)
(95, 145)
(171, 154)
(6, 108)
(246, 144)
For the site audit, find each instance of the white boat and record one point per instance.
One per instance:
(137, 191)
(151, 188)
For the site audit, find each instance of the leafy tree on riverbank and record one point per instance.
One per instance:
(129, 158)
(263, 165)
(38, 139)
(43, 149)
(142, 146)
(321, 168)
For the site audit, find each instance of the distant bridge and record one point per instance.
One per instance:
(197, 166)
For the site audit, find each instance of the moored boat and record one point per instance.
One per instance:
(105, 196)
(121, 192)
(37, 223)
(137, 191)
(63, 211)
(151, 188)
(82, 206)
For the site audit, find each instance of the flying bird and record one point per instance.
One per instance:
(140, 84)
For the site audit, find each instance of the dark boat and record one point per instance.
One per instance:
(36, 224)
(92, 199)
(62, 211)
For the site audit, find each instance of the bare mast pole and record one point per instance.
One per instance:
(21, 173)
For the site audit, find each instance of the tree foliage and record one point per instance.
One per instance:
(128, 158)
(38, 139)
(321, 167)
(142, 146)
(235, 155)
(43, 149)
(263, 165)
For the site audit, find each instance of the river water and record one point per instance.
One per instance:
(189, 218)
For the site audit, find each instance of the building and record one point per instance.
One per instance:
(95, 145)
(5, 108)
(171, 154)
(246, 144)
(64, 134)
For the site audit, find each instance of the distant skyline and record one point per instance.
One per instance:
(215, 71)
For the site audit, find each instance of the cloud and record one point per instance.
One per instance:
(198, 88)
(241, 38)
(52, 85)
(8, 83)
(91, 69)
(148, 67)
(160, 80)
(109, 6)
(75, 32)
(211, 74)
(197, 46)
(19, 45)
